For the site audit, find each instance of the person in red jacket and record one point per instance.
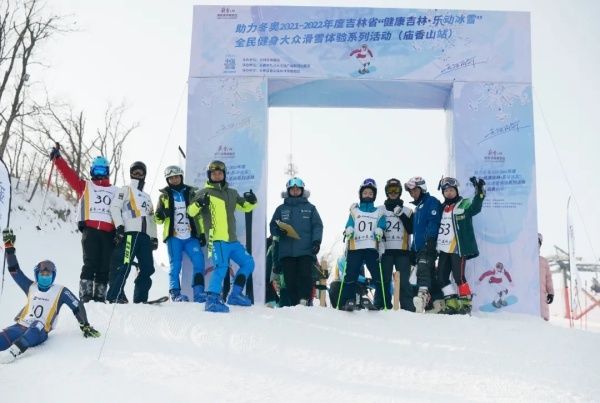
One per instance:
(94, 221)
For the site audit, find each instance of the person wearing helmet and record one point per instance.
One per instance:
(546, 284)
(456, 242)
(426, 223)
(397, 243)
(135, 237)
(181, 233)
(44, 300)
(216, 205)
(94, 222)
(364, 234)
(295, 256)
(496, 281)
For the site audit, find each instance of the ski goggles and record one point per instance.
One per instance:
(171, 171)
(447, 182)
(369, 182)
(414, 183)
(138, 173)
(295, 182)
(99, 171)
(392, 189)
(216, 166)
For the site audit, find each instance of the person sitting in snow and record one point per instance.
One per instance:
(496, 280)
(181, 233)
(44, 300)
(363, 55)
(217, 203)
(94, 223)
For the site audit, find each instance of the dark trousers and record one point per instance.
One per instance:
(427, 274)
(354, 261)
(401, 261)
(97, 248)
(451, 263)
(297, 274)
(136, 245)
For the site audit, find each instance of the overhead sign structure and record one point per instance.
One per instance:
(474, 64)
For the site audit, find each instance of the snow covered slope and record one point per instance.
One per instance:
(177, 352)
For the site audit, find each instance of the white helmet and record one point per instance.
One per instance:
(173, 170)
(415, 182)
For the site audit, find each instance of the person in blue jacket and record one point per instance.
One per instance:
(295, 257)
(426, 224)
(364, 232)
(44, 300)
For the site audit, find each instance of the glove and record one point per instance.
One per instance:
(9, 238)
(55, 152)
(378, 234)
(204, 201)
(202, 239)
(119, 234)
(88, 330)
(349, 232)
(477, 183)
(154, 243)
(162, 212)
(430, 246)
(549, 298)
(250, 197)
(398, 210)
(316, 247)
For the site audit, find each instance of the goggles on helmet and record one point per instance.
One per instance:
(99, 171)
(295, 182)
(216, 166)
(447, 182)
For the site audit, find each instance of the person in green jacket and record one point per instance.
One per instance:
(217, 204)
(456, 242)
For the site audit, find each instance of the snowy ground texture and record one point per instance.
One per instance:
(177, 352)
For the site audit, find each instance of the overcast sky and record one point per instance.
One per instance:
(138, 51)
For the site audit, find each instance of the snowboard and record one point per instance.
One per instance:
(355, 73)
(510, 300)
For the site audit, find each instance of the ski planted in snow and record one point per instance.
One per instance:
(249, 283)
(157, 301)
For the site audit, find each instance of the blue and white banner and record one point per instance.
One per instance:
(493, 139)
(334, 42)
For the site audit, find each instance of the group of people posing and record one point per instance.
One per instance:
(384, 238)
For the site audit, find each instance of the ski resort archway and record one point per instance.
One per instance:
(476, 65)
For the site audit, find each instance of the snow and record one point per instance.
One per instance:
(181, 353)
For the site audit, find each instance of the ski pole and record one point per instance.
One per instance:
(45, 196)
(337, 306)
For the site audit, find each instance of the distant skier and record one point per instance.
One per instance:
(133, 215)
(217, 203)
(496, 280)
(397, 244)
(44, 300)
(363, 55)
(364, 232)
(546, 284)
(296, 256)
(181, 233)
(94, 221)
(456, 242)
(426, 223)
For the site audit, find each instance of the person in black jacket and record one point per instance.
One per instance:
(295, 256)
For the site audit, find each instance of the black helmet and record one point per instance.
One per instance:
(393, 184)
(216, 165)
(137, 165)
(368, 184)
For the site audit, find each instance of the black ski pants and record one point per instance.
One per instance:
(297, 274)
(427, 274)
(98, 247)
(136, 245)
(399, 259)
(451, 263)
(354, 261)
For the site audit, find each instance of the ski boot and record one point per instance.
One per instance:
(86, 290)
(199, 294)
(9, 355)
(367, 304)
(349, 306)
(421, 300)
(438, 306)
(452, 306)
(497, 304)
(176, 296)
(214, 303)
(237, 298)
(465, 305)
(99, 292)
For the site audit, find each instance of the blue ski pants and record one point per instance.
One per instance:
(30, 336)
(221, 253)
(177, 247)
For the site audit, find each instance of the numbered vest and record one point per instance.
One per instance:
(41, 306)
(181, 226)
(395, 233)
(137, 205)
(95, 203)
(446, 241)
(364, 228)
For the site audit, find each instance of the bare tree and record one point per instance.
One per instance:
(23, 27)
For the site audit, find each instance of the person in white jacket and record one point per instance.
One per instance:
(133, 214)
(546, 284)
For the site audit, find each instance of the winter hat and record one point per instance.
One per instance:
(368, 184)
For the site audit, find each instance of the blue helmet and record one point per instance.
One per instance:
(295, 181)
(44, 265)
(100, 168)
